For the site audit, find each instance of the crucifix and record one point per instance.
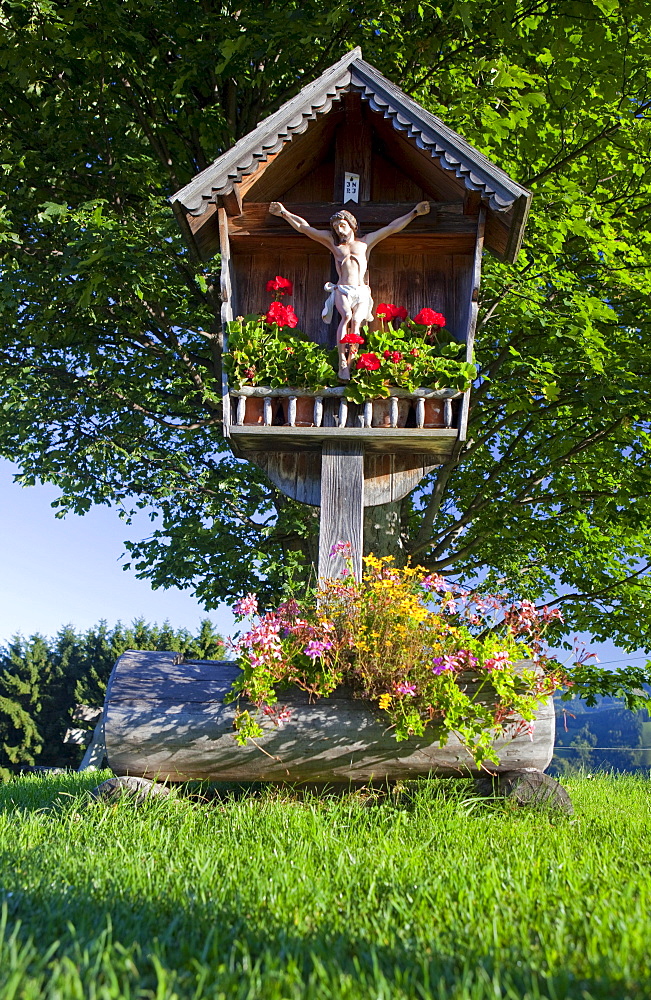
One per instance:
(351, 295)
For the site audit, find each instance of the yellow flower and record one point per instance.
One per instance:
(385, 700)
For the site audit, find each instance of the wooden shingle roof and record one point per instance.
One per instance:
(448, 150)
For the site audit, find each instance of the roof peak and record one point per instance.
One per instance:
(447, 148)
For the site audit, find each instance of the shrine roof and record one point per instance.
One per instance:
(475, 172)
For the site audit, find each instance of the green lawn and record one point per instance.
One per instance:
(274, 895)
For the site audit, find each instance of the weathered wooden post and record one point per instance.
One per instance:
(431, 204)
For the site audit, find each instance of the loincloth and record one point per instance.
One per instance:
(357, 295)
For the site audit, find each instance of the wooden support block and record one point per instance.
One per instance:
(343, 412)
(447, 412)
(342, 506)
(318, 411)
(232, 201)
(368, 413)
(241, 409)
(420, 413)
(291, 411)
(393, 411)
(267, 411)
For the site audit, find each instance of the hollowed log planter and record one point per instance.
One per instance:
(167, 719)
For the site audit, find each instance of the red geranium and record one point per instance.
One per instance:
(386, 310)
(368, 362)
(427, 317)
(352, 338)
(281, 285)
(393, 355)
(281, 315)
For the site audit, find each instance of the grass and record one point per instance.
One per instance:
(273, 895)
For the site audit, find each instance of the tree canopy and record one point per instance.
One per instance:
(108, 334)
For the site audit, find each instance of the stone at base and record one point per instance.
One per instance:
(139, 788)
(527, 787)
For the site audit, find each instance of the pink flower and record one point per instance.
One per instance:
(406, 689)
(463, 659)
(442, 663)
(434, 582)
(317, 648)
(342, 548)
(497, 661)
(246, 605)
(278, 715)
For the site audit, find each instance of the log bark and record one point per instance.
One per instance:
(167, 720)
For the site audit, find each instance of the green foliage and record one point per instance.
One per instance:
(42, 681)
(109, 333)
(283, 895)
(437, 662)
(265, 354)
(262, 353)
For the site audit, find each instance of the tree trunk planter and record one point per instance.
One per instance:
(167, 720)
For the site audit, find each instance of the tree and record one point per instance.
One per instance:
(42, 682)
(110, 350)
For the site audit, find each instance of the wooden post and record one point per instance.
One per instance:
(342, 506)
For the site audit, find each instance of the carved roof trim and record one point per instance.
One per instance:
(452, 152)
(269, 137)
(446, 147)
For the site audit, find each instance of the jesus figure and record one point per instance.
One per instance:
(351, 296)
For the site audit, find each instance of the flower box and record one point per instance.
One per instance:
(167, 719)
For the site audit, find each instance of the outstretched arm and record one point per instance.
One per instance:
(422, 208)
(301, 226)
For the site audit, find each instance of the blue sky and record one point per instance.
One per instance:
(68, 571)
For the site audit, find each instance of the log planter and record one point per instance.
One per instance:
(166, 719)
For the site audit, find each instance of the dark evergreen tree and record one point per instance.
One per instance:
(43, 681)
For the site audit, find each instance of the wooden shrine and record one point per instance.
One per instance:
(351, 122)
(444, 202)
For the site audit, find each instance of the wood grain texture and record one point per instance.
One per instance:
(435, 442)
(472, 293)
(387, 478)
(443, 217)
(342, 506)
(168, 721)
(295, 162)
(353, 148)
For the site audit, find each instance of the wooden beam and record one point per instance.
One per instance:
(232, 202)
(342, 506)
(399, 243)
(443, 217)
(473, 308)
(353, 150)
(278, 173)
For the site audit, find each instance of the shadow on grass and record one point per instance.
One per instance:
(212, 949)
